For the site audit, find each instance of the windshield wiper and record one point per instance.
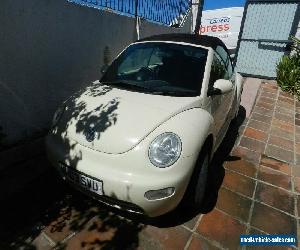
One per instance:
(175, 93)
(127, 84)
(131, 85)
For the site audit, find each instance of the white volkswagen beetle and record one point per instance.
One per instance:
(142, 138)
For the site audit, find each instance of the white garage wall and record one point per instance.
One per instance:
(48, 50)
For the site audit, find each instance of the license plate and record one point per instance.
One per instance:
(81, 179)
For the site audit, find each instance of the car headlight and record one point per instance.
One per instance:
(57, 115)
(165, 150)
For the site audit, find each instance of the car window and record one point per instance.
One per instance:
(137, 59)
(226, 59)
(218, 70)
(160, 67)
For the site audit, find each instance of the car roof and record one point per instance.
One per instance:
(204, 40)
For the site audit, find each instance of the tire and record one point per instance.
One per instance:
(194, 195)
(201, 182)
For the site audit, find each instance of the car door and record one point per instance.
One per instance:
(220, 104)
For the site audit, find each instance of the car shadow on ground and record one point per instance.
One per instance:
(49, 206)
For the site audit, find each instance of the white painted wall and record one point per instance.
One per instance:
(48, 50)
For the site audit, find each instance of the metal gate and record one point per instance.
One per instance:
(264, 37)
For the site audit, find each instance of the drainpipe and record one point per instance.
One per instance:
(137, 20)
(199, 16)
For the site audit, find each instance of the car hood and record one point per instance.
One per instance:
(114, 120)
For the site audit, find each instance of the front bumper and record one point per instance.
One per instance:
(126, 177)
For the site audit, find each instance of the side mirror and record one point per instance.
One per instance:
(221, 86)
(104, 68)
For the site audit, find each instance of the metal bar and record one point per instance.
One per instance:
(199, 16)
(266, 40)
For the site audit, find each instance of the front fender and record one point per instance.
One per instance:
(193, 126)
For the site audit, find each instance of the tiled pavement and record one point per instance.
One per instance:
(260, 194)
(273, 127)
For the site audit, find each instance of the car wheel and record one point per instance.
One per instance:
(201, 181)
(196, 189)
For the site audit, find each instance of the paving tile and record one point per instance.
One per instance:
(274, 177)
(297, 185)
(285, 105)
(252, 144)
(283, 117)
(297, 130)
(242, 166)
(284, 99)
(261, 118)
(284, 110)
(280, 154)
(255, 134)
(272, 83)
(267, 88)
(191, 223)
(263, 110)
(233, 204)
(275, 197)
(255, 231)
(259, 125)
(272, 221)
(297, 148)
(266, 100)
(199, 243)
(60, 228)
(161, 238)
(246, 154)
(298, 159)
(41, 242)
(239, 183)
(222, 228)
(282, 133)
(272, 95)
(284, 125)
(275, 164)
(295, 171)
(265, 105)
(281, 142)
(287, 95)
(297, 138)
(109, 233)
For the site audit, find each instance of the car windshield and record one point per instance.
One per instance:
(159, 68)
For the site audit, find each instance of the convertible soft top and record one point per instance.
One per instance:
(207, 41)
